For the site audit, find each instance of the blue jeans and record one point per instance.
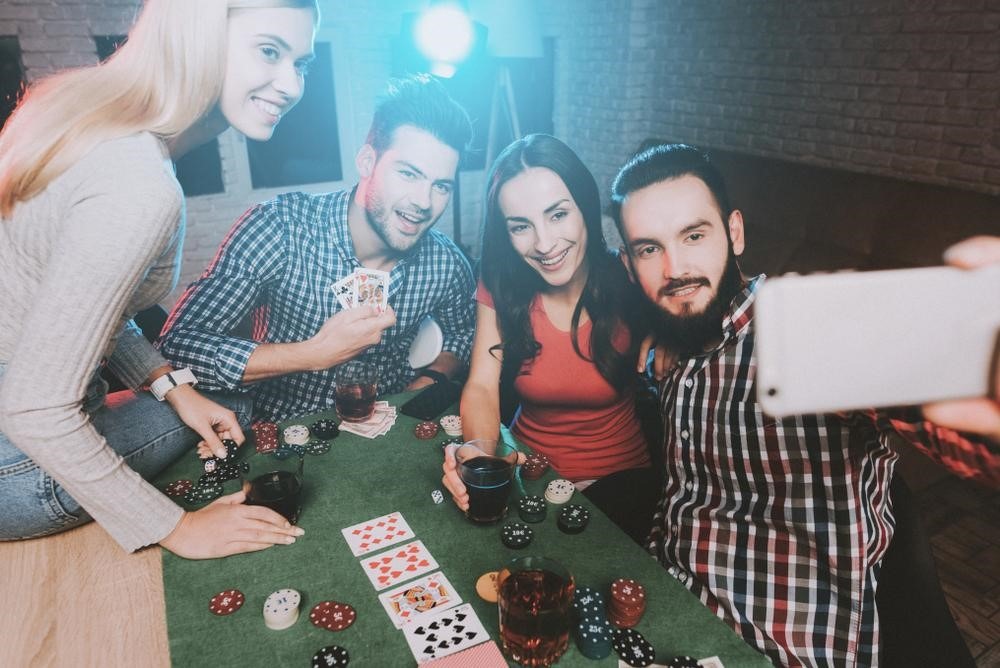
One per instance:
(145, 432)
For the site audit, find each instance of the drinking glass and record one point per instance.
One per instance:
(535, 596)
(356, 386)
(275, 483)
(486, 466)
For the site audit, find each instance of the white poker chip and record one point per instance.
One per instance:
(281, 609)
(297, 434)
(452, 425)
(559, 491)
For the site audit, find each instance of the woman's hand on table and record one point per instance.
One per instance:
(208, 419)
(226, 527)
(452, 482)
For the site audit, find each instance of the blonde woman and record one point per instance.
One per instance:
(91, 232)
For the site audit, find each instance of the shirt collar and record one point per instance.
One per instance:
(737, 319)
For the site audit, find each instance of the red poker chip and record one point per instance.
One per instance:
(332, 615)
(226, 602)
(426, 430)
(178, 487)
(628, 592)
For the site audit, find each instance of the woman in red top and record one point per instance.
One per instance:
(555, 317)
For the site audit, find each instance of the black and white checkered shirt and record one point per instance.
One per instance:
(279, 262)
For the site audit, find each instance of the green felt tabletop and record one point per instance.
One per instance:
(359, 479)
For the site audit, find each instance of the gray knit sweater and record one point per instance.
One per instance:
(101, 242)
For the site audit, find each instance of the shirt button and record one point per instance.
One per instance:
(684, 433)
(682, 577)
(672, 571)
(688, 383)
(673, 530)
(689, 485)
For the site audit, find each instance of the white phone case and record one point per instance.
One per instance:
(853, 340)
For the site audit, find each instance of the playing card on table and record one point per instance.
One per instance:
(371, 287)
(398, 565)
(377, 533)
(418, 599)
(485, 655)
(344, 291)
(445, 633)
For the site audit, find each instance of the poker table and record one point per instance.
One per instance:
(360, 479)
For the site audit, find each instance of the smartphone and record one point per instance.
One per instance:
(854, 340)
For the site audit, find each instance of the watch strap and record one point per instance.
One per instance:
(433, 374)
(169, 381)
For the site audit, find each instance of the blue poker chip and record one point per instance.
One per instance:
(593, 638)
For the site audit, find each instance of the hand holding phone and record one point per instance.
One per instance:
(853, 340)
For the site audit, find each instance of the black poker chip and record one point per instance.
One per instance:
(283, 452)
(324, 429)
(328, 657)
(683, 662)
(516, 535)
(573, 519)
(633, 648)
(317, 447)
(532, 509)
(203, 493)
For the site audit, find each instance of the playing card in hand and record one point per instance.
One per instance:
(418, 599)
(398, 565)
(371, 287)
(377, 533)
(344, 291)
(445, 633)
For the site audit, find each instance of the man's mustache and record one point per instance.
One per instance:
(679, 283)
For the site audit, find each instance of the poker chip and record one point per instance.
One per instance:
(594, 638)
(178, 487)
(265, 436)
(330, 657)
(573, 519)
(450, 441)
(281, 609)
(516, 535)
(486, 587)
(332, 616)
(588, 603)
(532, 509)
(627, 604)
(683, 662)
(226, 602)
(452, 425)
(203, 493)
(633, 648)
(437, 496)
(324, 429)
(317, 447)
(535, 465)
(283, 452)
(559, 491)
(296, 434)
(425, 430)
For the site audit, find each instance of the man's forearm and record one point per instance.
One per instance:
(270, 360)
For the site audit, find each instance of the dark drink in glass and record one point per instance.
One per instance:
(356, 385)
(535, 597)
(487, 479)
(356, 402)
(281, 491)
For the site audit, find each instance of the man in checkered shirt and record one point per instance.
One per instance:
(779, 526)
(278, 263)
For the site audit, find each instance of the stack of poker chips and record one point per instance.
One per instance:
(573, 519)
(532, 509)
(452, 425)
(516, 535)
(281, 609)
(633, 648)
(534, 466)
(302, 440)
(216, 471)
(265, 436)
(628, 602)
(559, 491)
(593, 633)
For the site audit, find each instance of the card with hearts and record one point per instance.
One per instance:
(415, 600)
(445, 633)
(377, 533)
(398, 565)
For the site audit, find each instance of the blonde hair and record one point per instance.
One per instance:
(165, 78)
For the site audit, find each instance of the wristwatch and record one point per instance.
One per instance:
(434, 375)
(169, 381)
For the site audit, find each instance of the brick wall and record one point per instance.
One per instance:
(904, 88)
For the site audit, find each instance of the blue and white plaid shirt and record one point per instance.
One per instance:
(278, 263)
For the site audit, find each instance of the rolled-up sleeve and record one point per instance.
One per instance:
(198, 333)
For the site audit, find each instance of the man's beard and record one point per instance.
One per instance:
(377, 214)
(688, 335)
